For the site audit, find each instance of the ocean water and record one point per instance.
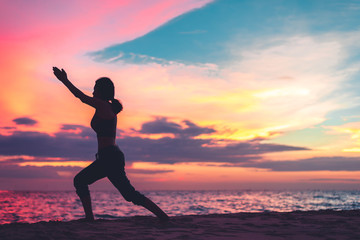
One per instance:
(30, 207)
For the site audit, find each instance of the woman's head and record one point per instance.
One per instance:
(104, 89)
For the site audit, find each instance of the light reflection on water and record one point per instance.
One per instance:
(16, 206)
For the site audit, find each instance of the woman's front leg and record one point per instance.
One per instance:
(87, 176)
(86, 202)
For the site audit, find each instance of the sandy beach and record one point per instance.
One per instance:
(294, 225)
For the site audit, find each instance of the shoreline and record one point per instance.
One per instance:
(324, 224)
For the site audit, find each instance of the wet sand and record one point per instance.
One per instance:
(295, 225)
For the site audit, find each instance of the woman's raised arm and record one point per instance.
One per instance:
(62, 76)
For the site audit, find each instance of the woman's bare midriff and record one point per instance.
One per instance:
(105, 142)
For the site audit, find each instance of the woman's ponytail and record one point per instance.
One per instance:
(116, 106)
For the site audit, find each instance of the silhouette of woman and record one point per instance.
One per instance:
(110, 161)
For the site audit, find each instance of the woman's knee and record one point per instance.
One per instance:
(78, 181)
(135, 197)
(81, 186)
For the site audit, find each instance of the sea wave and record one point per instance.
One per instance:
(18, 206)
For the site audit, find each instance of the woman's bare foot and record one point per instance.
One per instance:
(152, 207)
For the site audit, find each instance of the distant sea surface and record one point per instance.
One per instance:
(30, 207)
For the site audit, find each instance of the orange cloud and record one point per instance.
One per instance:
(352, 129)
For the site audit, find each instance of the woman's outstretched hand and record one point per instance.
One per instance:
(60, 74)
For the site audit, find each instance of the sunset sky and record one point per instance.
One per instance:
(217, 94)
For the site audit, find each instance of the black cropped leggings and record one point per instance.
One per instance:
(110, 163)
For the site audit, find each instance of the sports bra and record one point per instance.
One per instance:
(104, 127)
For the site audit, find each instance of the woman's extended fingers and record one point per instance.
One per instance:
(60, 74)
(64, 73)
(56, 70)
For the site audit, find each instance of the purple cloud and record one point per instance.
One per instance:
(173, 150)
(311, 164)
(54, 172)
(147, 171)
(8, 128)
(81, 131)
(162, 125)
(334, 180)
(25, 121)
(76, 142)
(15, 171)
(63, 144)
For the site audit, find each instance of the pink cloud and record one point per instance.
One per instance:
(87, 24)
